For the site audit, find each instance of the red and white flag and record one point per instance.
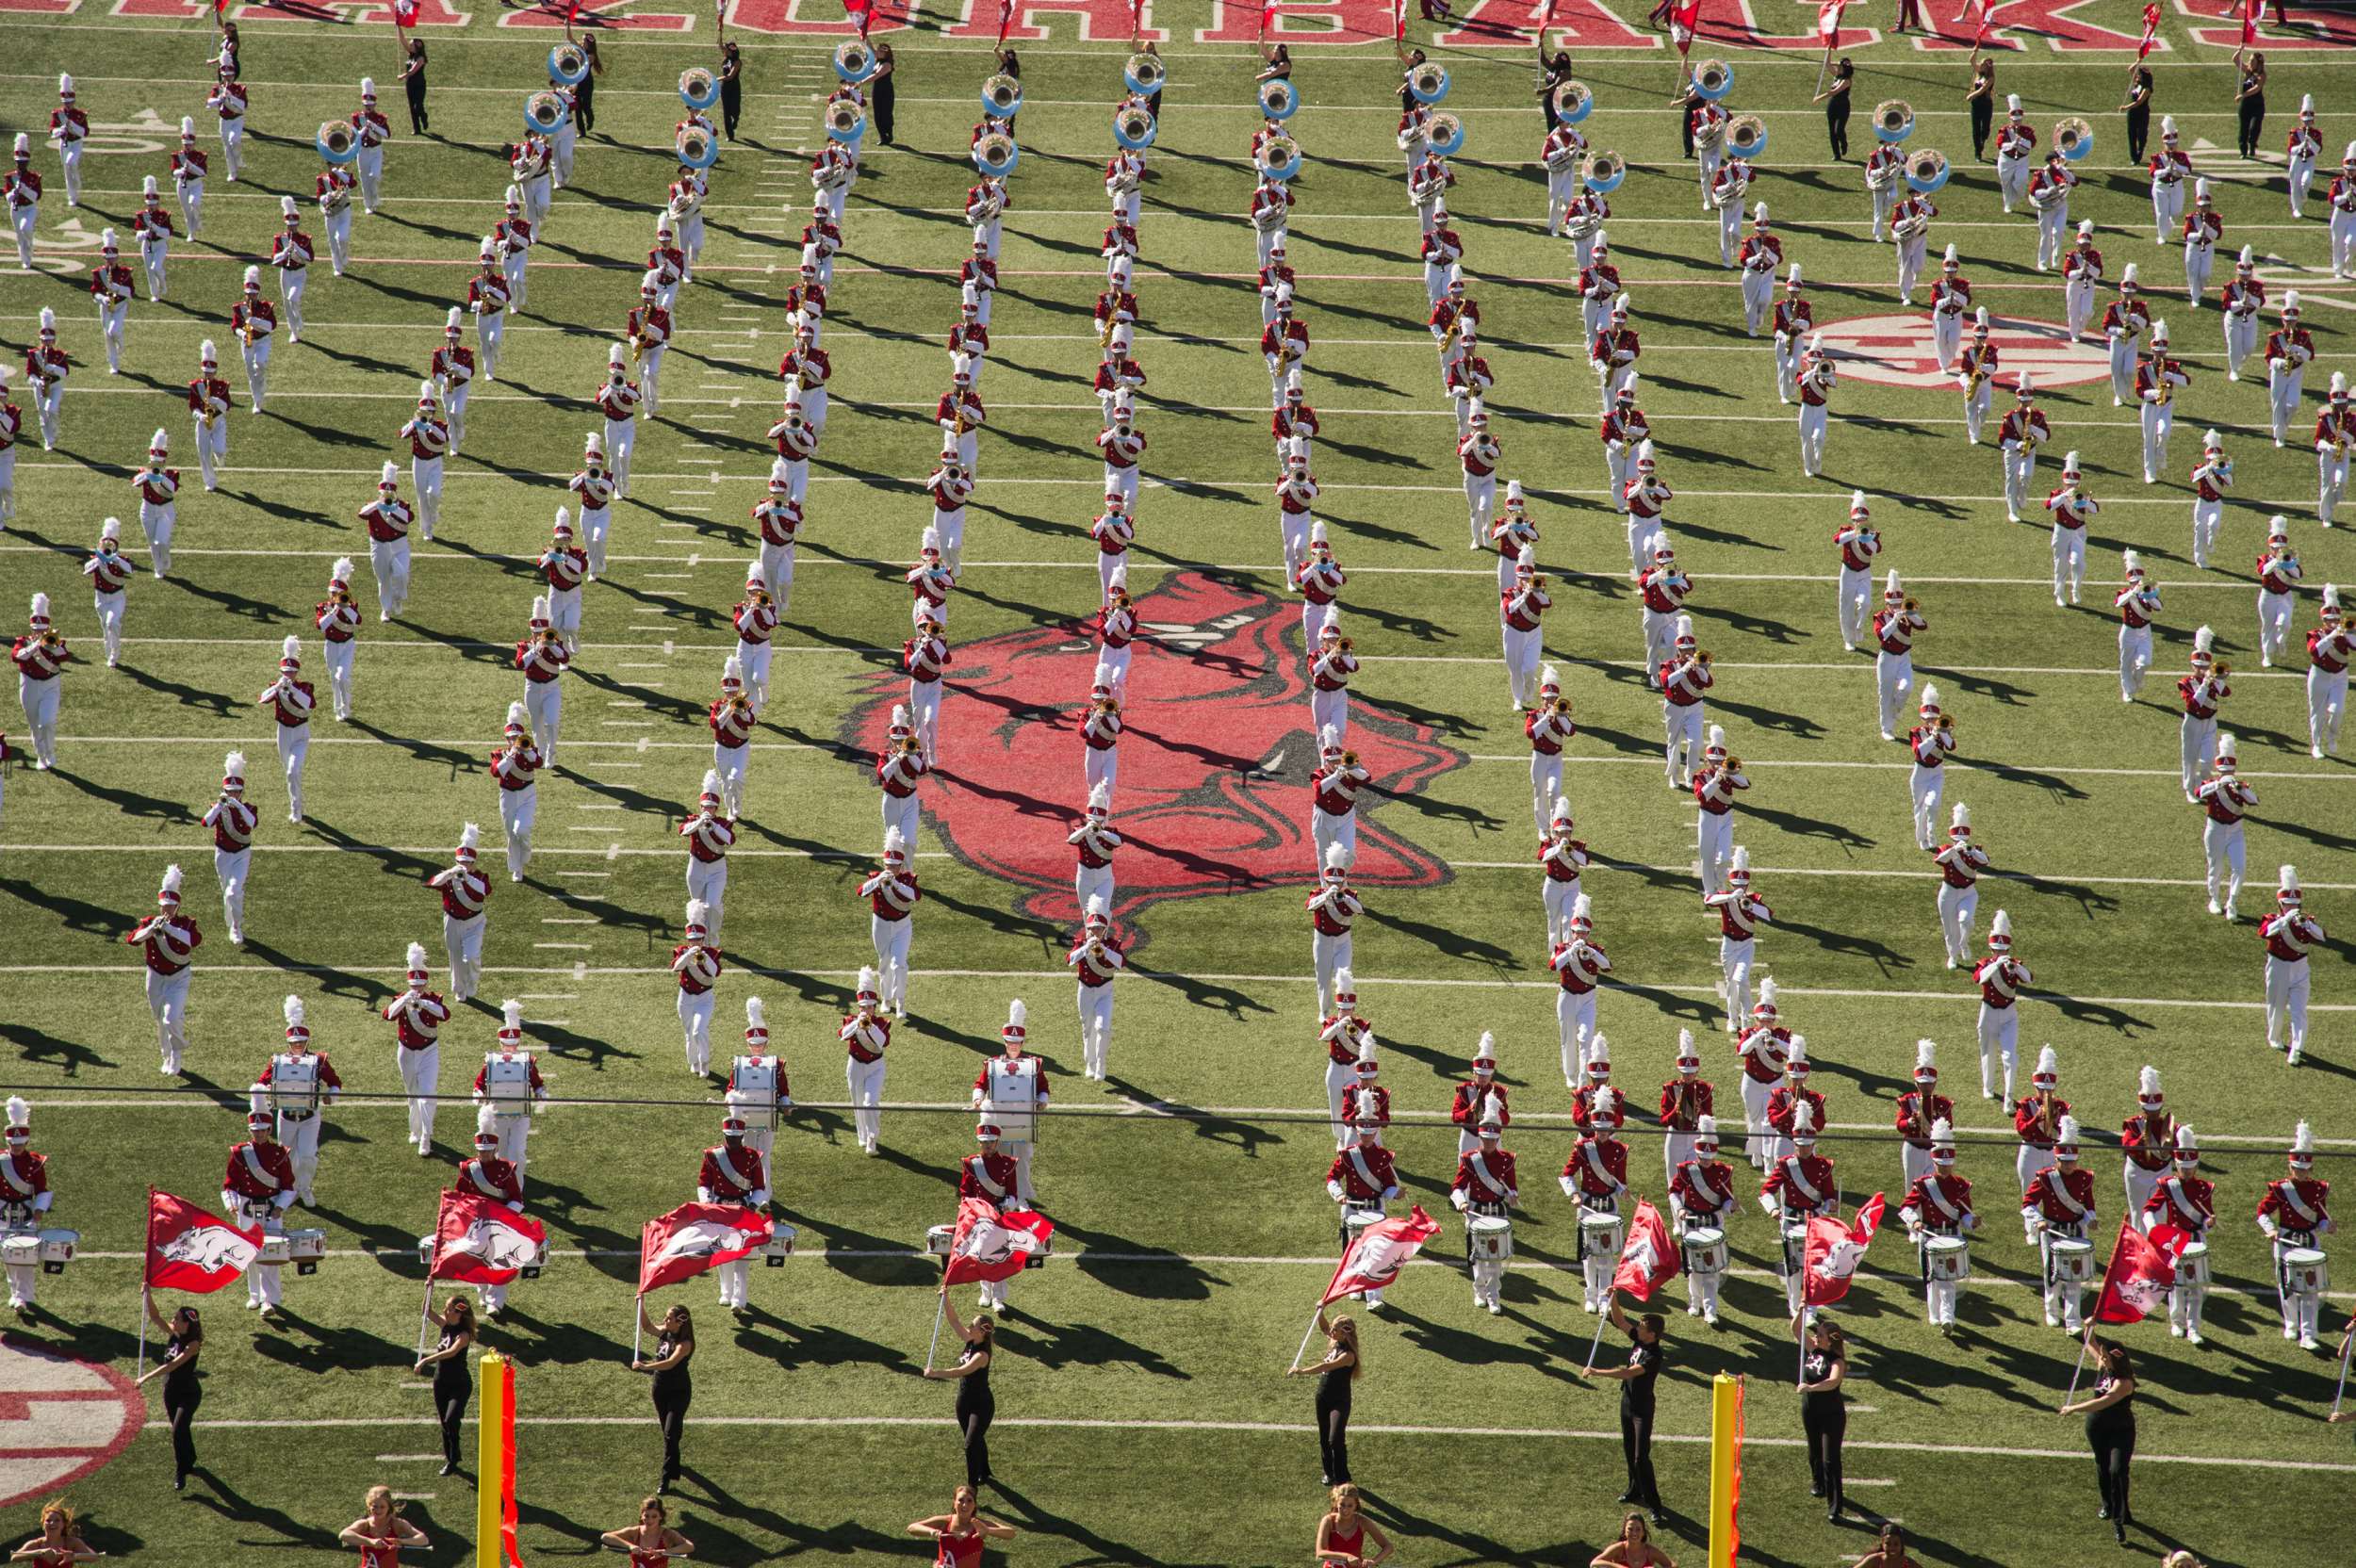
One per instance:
(992, 1244)
(2150, 30)
(1005, 20)
(1685, 18)
(191, 1250)
(2250, 10)
(1828, 19)
(1650, 1259)
(1374, 1259)
(1834, 1252)
(693, 1237)
(478, 1241)
(2141, 1272)
(862, 12)
(1981, 10)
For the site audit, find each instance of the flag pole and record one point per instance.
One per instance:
(425, 1315)
(2086, 1344)
(1320, 1313)
(145, 1298)
(1799, 1336)
(941, 1310)
(1601, 1318)
(2347, 1343)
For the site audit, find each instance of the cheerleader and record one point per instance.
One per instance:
(59, 1543)
(382, 1531)
(651, 1539)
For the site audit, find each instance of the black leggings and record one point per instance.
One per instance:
(1837, 123)
(2139, 131)
(670, 1414)
(180, 1409)
(1636, 1442)
(450, 1405)
(1333, 1438)
(1825, 1428)
(973, 1419)
(2112, 1449)
(416, 106)
(731, 108)
(586, 104)
(1982, 118)
(880, 105)
(2253, 123)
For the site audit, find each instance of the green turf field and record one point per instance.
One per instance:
(1141, 1413)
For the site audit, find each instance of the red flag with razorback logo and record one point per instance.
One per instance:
(192, 1250)
(1685, 18)
(989, 1245)
(2150, 31)
(862, 12)
(1828, 19)
(1834, 1252)
(1005, 20)
(478, 1241)
(1650, 1260)
(2141, 1272)
(1374, 1259)
(693, 1237)
(2250, 21)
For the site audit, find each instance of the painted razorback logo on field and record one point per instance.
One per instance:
(1213, 794)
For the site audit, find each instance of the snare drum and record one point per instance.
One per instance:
(2070, 1261)
(753, 1092)
(306, 1248)
(2192, 1264)
(1600, 1236)
(1491, 1236)
(1357, 1221)
(21, 1251)
(1794, 1245)
(56, 1249)
(2304, 1272)
(425, 1249)
(507, 1082)
(1706, 1255)
(1046, 1250)
(275, 1249)
(1946, 1258)
(779, 1245)
(937, 1240)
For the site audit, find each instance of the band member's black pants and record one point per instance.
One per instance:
(732, 106)
(670, 1414)
(1982, 119)
(2253, 123)
(1837, 123)
(2139, 131)
(1333, 1435)
(974, 1415)
(1636, 1444)
(1826, 1428)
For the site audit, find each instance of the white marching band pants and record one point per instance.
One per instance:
(461, 939)
(420, 1076)
(866, 1084)
(1735, 955)
(167, 999)
(695, 1017)
(2286, 1004)
(1959, 907)
(1331, 953)
(232, 866)
(1999, 1035)
(1096, 1028)
(891, 939)
(1575, 1018)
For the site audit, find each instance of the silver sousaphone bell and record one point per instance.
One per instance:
(1145, 73)
(544, 111)
(1002, 95)
(1603, 172)
(568, 62)
(1926, 170)
(1714, 79)
(1572, 103)
(995, 154)
(699, 88)
(1133, 128)
(1279, 158)
(1893, 120)
(1428, 83)
(1746, 136)
(2073, 138)
(845, 121)
(695, 147)
(338, 143)
(1278, 99)
(855, 61)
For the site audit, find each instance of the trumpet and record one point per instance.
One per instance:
(2224, 671)
(1946, 724)
(1349, 759)
(1702, 657)
(1428, 83)
(1734, 765)
(1714, 79)
(1893, 120)
(543, 112)
(338, 143)
(1560, 705)
(1910, 605)
(699, 88)
(2073, 138)
(1746, 136)
(1002, 95)
(908, 746)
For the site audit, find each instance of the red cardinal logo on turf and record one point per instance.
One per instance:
(1216, 754)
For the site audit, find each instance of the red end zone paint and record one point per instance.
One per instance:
(1897, 350)
(1213, 795)
(60, 1419)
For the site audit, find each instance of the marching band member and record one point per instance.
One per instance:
(257, 1188)
(487, 300)
(2188, 1202)
(2330, 646)
(298, 1123)
(1739, 914)
(923, 656)
(1761, 257)
(2292, 1214)
(2124, 321)
(417, 1015)
(2057, 1204)
(2138, 604)
(290, 252)
(1706, 124)
(1920, 1111)
(1910, 236)
(1010, 1091)
(1885, 174)
(1365, 1103)
(1975, 374)
(1116, 312)
(1794, 320)
(25, 1198)
(1962, 862)
(1598, 285)
(1683, 678)
(2289, 933)
(1662, 591)
(152, 224)
(254, 320)
(898, 767)
(2204, 228)
(2156, 380)
(40, 655)
(1595, 1177)
(1800, 1185)
(2024, 429)
(1521, 611)
(465, 892)
(2170, 167)
(866, 1035)
(1560, 156)
(533, 164)
(1951, 304)
(167, 940)
(647, 331)
(1116, 629)
(2202, 692)
(1764, 1047)
(1785, 1102)
(1443, 251)
(2210, 481)
(2279, 575)
(232, 822)
(891, 893)
(158, 488)
(332, 192)
(452, 369)
(1636, 487)
(1480, 1100)
(696, 965)
(1938, 1204)
(338, 619)
(594, 488)
(1100, 739)
(1363, 1177)
(1815, 381)
(796, 439)
(2303, 148)
(563, 566)
(1294, 489)
(1283, 345)
(109, 574)
(1860, 543)
(1333, 788)
(981, 267)
(1344, 1034)
(68, 129)
(1485, 1183)
(189, 166)
(21, 186)
(667, 262)
(2081, 268)
(1561, 856)
(990, 1177)
(543, 658)
(488, 1176)
(1117, 375)
(1685, 1100)
(1275, 274)
(208, 410)
(1701, 1195)
(961, 416)
(2015, 138)
(1932, 741)
(511, 238)
(731, 718)
(1123, 447)
(2072, 506)
(2049, 193)
(110, 286)
(2335, 428)
(1333, 908)
(1549, 728)
(1329, 681)
(1580, 967)
(369, 161)
(512, 1115)
(618, 399)
(427, 436)
(952, 487)
(2243, 297)
(2034, 1119)
(1895, 627)
(1095, 957)
(290, 700)
(775, 1100)
(2342, 197)
(228, 101)
(1714, 786)
(708, 833)
(2000, 977)
(2148, 1140)
(516, 767)
(47, 368)
(1477, 452)
(1612, 352)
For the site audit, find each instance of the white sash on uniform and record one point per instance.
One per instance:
(1366, 1172)
(256, 1170)
(1797, 1180)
